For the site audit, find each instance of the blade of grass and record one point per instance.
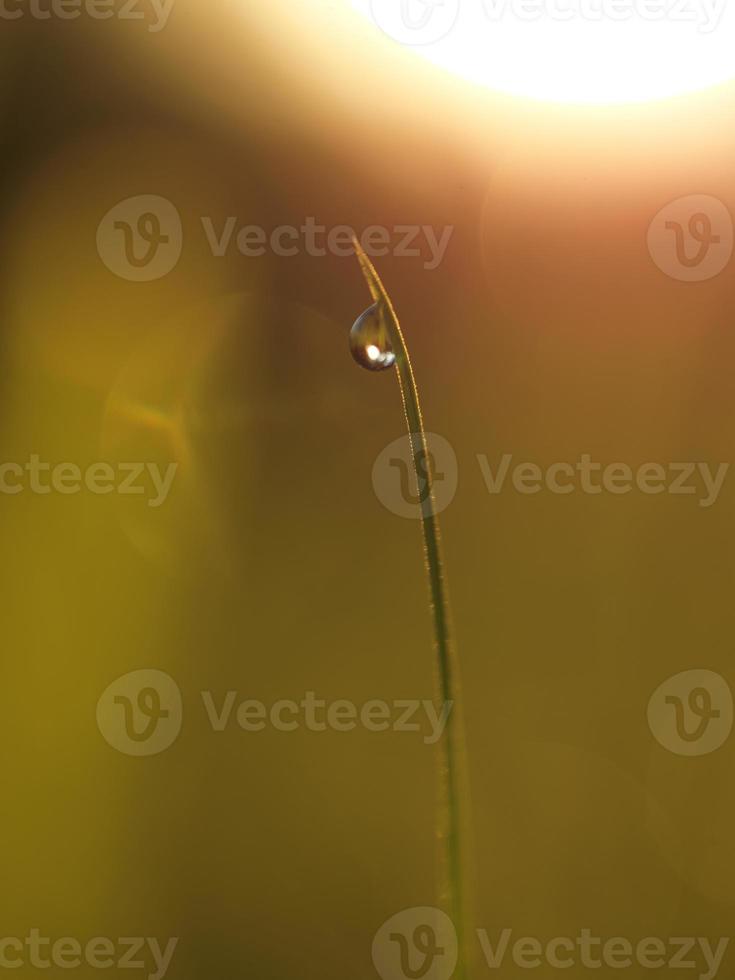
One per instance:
(445, 657)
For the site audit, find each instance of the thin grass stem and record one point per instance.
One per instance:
(451, 833)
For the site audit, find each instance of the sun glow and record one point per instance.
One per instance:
(575, 51)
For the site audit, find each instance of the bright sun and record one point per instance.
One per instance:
(583, 51)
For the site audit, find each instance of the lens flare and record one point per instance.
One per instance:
(574, 51)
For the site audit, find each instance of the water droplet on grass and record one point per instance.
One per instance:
(369, 341)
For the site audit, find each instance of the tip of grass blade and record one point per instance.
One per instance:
(377, 290)
(375, 283)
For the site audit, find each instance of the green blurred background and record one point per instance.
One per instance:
(273, 570)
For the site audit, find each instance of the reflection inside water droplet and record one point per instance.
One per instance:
(369, 341)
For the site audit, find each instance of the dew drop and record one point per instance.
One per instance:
(369, 341)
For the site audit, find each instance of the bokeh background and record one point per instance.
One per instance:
(273, 569)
